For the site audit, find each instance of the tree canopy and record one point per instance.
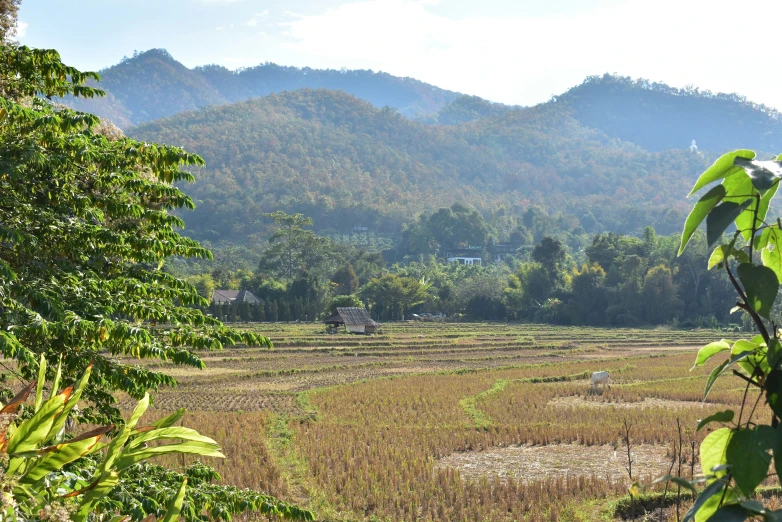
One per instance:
(85, 226)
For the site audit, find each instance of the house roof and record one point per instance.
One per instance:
(355, 316)
(231, 296)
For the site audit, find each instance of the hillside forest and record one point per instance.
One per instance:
(578, 189)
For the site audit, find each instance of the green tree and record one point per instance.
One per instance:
(392, 295)
(343, 301)
(292, 247)
(346, 280)
(84, 229)
(551, 254)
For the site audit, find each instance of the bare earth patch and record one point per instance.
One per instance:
(648, 402)
(530, 463)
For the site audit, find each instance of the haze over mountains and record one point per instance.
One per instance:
(350, 147)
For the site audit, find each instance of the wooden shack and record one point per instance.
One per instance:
(355, 320)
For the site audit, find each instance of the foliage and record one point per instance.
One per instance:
(36, 452)
(392, 295)
(346, 280)
(737, 457)
(85, 229)
(343, 301)
(153, 85)
(345, 163)
(660, 117)
(292, 248)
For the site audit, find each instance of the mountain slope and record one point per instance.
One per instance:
(343, 162)
(153, 84)
(660, 117)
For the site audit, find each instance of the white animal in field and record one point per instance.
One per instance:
(600, 378)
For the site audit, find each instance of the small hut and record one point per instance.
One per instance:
(355, 320)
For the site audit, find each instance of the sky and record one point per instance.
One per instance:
(518, 52)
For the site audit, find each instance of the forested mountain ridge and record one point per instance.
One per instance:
(154, 85)
(344, 162)
(659, 117)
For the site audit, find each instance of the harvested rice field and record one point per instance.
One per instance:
(456, 421)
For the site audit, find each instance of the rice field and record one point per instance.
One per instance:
(455, 421)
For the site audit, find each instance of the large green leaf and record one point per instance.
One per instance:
(773, 388)
(713, 450)
(716, 372)
(95, 493)
(699, 213)
(62, 454)
(749, 454)
(73, 400)
(761, 286)
(710, 350)
(190, 447)
(41, 382)
(32, 432)
(771, 255)
(745, 219)
(173, 432)
(731, 513)
(764, 174)
(723, 167)
(720, 416)
(710, 491)
(174, 507)
(721, 217)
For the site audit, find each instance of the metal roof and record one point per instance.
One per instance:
(355, 316)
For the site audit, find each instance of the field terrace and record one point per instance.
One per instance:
(452, 421)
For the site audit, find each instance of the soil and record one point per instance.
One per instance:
(530, 463)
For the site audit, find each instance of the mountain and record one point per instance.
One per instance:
(465, 109)
(153, 85)
(660, 117)
(344, 162)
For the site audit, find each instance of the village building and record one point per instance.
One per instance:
(234, 296)
(355, 320)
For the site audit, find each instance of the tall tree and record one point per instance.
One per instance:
(292, 247)
(84, 229)
(346, 280)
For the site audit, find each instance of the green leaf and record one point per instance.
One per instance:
(190, 448)
(174, 432)
(170, 420)
(723, 167)
(771, 255)
(749, 454)
(720, 416)
(710, 491)
(716, 372)
(713, 450)
(731, 513)
(100, 490)
(41, 381)
(721, 217)
(174, 507)
(764, 174)
(761, 285)
(699, 213)
(745, 219)
(60, 456)
(710, 350)
(32, 432)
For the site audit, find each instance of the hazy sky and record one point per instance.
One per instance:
(511, 51)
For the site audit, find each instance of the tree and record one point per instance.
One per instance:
(84, 229)
(346, 280)
(552, 256)
(736, 457)
(292, 248)
(8, 20)
(343, 301)
(392, 294)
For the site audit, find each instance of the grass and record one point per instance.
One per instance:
(359, 428)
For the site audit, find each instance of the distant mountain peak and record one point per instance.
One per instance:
(153, 84)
